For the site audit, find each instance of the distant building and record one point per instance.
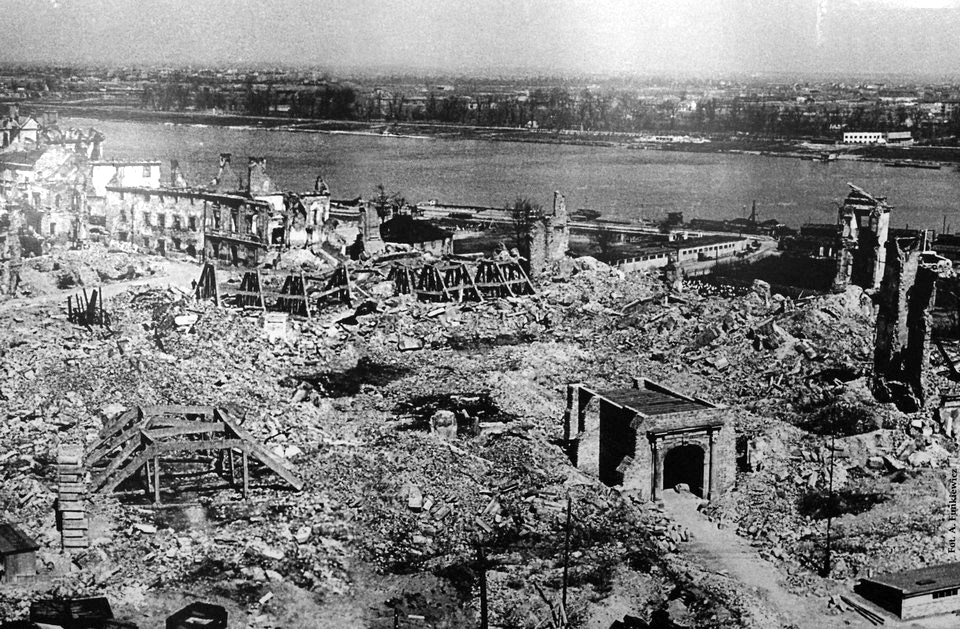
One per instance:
(685, 252)
(864, 137)
(899, 137)
(878, 137)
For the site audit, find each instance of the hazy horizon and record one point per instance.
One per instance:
(562, 37)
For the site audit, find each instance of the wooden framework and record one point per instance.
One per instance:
(299, 294)
(87, 310)
(503, 278)
(138, 441)
(435, 282)
(454, 281)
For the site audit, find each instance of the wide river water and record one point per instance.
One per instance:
(622, 184)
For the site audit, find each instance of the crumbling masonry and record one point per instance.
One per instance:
(864, 226)
(903, 316)
(549, 237)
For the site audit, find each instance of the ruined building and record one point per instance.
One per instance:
(18, 132)
(859, 243)
(10, 252)
(903, 319)
(869, 219)
(548, 238)
(650, 438)
(226, 220)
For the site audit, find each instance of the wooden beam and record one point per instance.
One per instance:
(246, 475)
(276, 464)
(176, 409)
(156, 479)
(202, 428)
(306, 300)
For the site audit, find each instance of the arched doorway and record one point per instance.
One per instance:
(684, 464)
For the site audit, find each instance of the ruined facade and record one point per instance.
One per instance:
(52, 187)
(649, 438)
(903, 315)
(859, 244)
(549, 238)
(223, 221)
(157, 219)
(18, 132)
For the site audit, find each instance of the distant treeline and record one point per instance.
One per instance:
(550, 109)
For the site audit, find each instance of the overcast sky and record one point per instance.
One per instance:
(570, 36)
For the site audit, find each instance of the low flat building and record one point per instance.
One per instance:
(685, 252)
(864, 137)
(19, 553)
(915, 593)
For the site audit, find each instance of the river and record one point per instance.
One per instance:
(622, 184)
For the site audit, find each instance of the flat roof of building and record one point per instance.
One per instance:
(921, 580)
(646, 402)
(14, 541)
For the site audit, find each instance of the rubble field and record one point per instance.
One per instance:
(393, 519)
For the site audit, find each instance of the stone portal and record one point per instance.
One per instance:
(649, 438)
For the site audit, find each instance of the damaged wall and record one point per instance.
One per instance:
(903, 259)
(903, 316)
(10, 251)
(549, 237)
(155, 220)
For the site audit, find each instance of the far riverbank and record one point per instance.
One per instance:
(746, 144)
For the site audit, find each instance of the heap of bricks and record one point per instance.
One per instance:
(71, 493)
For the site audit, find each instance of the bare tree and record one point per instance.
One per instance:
(524, 212)
(605, 241)
(387, 205)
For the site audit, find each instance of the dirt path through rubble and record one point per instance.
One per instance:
(176, 273)
(722, 550)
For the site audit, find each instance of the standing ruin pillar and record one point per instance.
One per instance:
(902, 262)
(921, 298)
